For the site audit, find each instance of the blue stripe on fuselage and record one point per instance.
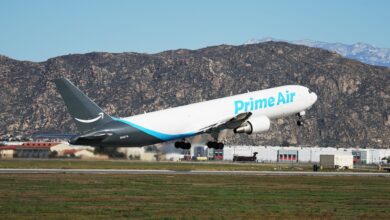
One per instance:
(161, 136)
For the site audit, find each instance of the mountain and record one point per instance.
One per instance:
(363, 52)
(352, 109)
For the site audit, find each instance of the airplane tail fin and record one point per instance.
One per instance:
(83, 110)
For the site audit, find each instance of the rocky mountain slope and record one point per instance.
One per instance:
(363, 52)
(352, 109)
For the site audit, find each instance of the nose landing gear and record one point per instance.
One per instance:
(300, 121)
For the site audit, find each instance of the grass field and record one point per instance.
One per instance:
(81, 196)
(126, 164)
(130, 164)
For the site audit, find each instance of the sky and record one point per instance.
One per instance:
(41, 29)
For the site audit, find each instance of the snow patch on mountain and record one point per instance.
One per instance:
(363, 52)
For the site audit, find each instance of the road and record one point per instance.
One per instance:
(187, 172)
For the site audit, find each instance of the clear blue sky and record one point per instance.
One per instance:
(39, 29)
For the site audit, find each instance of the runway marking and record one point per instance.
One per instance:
(187, 172)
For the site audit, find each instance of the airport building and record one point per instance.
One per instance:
(167, 152)
(46, 150)
(305, 154)
(260, 154)
(27, 150)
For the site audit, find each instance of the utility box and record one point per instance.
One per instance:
(199, 151)
(338, 161)
(215, 154)
(210, 153)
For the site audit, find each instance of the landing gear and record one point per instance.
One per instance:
(99, 150)
(183, 145)
(300, 121)
(112, 152)
(215, 145)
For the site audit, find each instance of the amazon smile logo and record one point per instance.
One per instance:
(101, 115)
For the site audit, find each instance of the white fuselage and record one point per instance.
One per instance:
(189, 119)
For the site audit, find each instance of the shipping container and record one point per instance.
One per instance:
(336, 161)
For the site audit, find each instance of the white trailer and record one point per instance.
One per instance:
(338, 161)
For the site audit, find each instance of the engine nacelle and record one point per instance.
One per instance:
(254, 125)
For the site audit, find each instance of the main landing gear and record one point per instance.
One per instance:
(186, 146)
(183, 145)
(215, 145)
(300, 121)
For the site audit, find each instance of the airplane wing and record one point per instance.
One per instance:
(230, 123)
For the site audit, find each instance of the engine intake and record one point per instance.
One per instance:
(254, 125)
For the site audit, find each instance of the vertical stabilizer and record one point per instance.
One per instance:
(83, 110)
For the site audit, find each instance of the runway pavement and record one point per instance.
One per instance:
(188, 172)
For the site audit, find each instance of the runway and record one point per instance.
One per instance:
(188, 172)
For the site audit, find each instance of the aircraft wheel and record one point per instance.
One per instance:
(220, 146)
(99, 150)
(211, 144)
(178, 144)
(182, 145)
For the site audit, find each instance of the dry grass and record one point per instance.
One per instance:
(126, 164)
(81, 196)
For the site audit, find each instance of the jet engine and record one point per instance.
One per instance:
(254, 125)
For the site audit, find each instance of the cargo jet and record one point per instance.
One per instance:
(245, 113)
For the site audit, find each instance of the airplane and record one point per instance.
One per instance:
(247, 113)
